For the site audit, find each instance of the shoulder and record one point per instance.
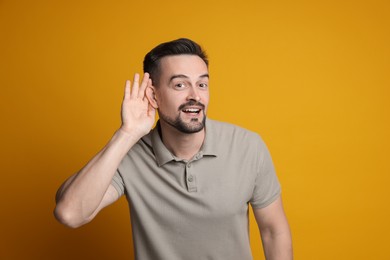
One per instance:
(229, 138)
(228, 131)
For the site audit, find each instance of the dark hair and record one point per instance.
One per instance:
(175, 47)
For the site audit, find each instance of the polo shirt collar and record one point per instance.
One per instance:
(163, 155)
(209, 147)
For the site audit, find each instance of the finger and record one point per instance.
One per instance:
(135, 88)
(149, 85)
(127, 89)
(144, 84)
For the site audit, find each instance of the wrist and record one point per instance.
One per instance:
(137, 132)
(131, 135)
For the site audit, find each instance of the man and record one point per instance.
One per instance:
(188, 181)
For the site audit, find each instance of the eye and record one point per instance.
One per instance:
(180, 85)
(203, 85)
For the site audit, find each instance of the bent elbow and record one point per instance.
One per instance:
(67, 217)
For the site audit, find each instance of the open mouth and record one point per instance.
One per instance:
(191, 111)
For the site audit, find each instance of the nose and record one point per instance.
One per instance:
(193, 94)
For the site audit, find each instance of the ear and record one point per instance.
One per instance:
(151, 96)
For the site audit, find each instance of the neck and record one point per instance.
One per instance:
(182, 145)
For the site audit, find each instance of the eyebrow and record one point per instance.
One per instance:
(206, 75)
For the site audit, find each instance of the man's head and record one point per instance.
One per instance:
(152, 60)
(179, 71)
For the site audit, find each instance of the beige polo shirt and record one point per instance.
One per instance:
(196, 209)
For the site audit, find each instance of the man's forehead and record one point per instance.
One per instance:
(183, 64)
(183, 76)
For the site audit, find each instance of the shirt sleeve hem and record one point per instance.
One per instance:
(119, 188)
(266, 203)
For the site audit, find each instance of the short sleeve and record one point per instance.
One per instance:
(267, 187)
(118, 183)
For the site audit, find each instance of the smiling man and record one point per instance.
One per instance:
(189, 180)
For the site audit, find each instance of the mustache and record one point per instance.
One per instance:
(191, 103)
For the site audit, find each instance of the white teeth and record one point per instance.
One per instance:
(191, 110)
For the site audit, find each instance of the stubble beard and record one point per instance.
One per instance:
(194, 126)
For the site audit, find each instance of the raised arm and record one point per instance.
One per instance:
(275, 231)
(84, 194)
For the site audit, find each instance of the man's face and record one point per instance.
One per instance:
(182, 94)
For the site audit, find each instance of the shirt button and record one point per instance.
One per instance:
(190, 179)
(189, 165)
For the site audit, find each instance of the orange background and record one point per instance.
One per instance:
(312, 77)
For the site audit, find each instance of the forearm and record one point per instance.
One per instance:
(275, 231)
(277, 245)
(79, 197)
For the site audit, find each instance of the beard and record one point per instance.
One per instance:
(194, 126)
